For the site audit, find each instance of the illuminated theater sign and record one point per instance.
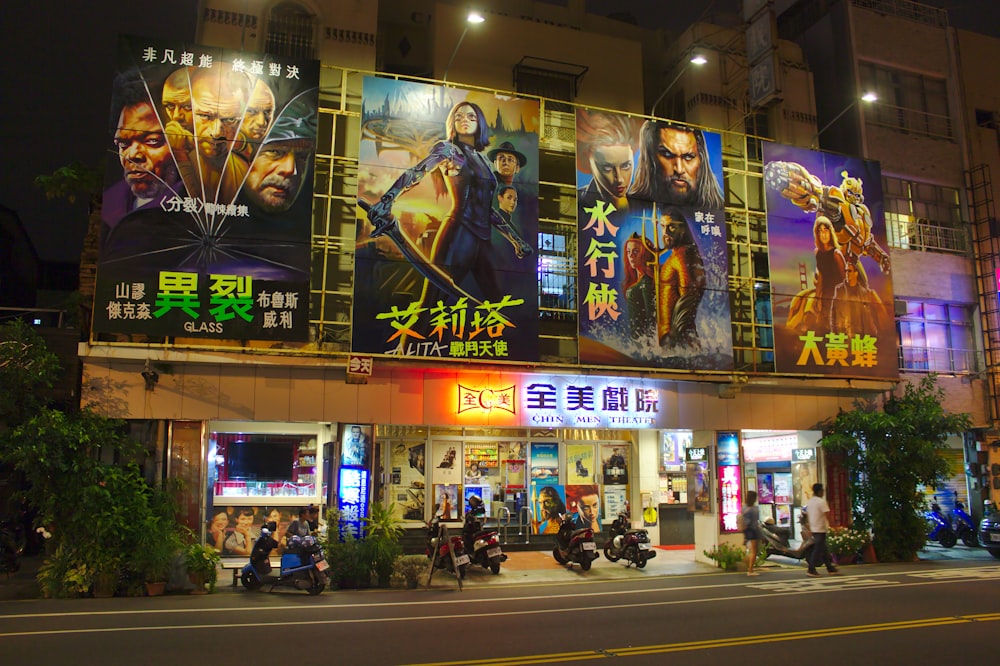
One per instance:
(569, 401)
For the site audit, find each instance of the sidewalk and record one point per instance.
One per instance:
(535, 567)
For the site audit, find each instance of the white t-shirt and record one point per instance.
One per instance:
(816, 509)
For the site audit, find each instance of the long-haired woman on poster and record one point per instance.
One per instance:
(463, 242)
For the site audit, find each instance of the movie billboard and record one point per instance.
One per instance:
(206, 217)
(831, 287)
(653, 268)
(447, 233)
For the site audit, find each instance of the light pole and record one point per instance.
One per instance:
(697, 60)
(868, 97)
(473, 17)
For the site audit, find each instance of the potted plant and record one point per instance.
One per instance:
(726, 555)
(382, 541)
(201, 564)
(408, 570)
(349, 564)
(158, 544)
(845, 544)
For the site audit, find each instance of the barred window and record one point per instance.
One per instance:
(921, 216)
(291, 31)
(936, 337)
(907, 102)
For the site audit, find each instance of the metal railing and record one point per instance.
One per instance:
(941, 360)
(524, 528)
(503, 525)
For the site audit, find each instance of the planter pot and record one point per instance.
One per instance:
(868, 554)
(104, 586)
(846, 558)
(199, 584)
(156, 589)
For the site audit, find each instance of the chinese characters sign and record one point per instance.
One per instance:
(447, 229)
(353, 500)
(206, 216)
(653, 268)
(728, 457)
(831, 290)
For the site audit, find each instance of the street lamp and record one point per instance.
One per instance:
(868, 97)
(473, 17)
(697, 60)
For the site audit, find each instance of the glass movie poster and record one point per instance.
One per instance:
(653, 272)
(206, 223)
(447, 230)
(831, 290)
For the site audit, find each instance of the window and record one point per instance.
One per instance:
(291, 31)
(556, 273)
(936, 337)
(907, 102)
(920, 216)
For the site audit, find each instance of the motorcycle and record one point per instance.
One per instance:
(777, 540)
(939, 529)
(447, 553)
(624, 542)
(964, 528)
(574, 546)
(483, 544)
(303, 565)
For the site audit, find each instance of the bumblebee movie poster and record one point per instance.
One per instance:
(206, 217)
(447, 232)
(831, 280)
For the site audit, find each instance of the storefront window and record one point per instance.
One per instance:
(259, 465)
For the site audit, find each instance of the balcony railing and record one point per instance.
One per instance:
(910, 121)
(925, 236)
(940, 360)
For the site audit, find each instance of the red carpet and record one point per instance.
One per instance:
(685, 546)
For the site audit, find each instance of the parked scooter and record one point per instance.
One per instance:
(964, 528)
(777, 540)
(574, 546)
(303, 565)
(624, 542)
(939, 528)
(448, 553)
(483, 545)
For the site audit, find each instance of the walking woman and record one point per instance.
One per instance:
(751, 530)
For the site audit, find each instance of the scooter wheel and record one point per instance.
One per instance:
(495, 565)
(250, 581)
(947, 538)
(585, 565)
(609, 552)
(641, 562)
(968, 538)
(558, 558)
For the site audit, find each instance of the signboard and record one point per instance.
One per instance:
(831, 289)
(728, 458)
(207, 210)
(773, 447)
(652, 259)
(352, 500)
(447, 231)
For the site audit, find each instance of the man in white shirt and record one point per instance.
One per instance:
(818, 512)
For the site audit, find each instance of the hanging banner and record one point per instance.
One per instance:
(207, 212)
(653, 267)
(831, 289)
(447, 233)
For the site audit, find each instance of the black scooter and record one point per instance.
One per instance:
(303, 565)
(777, 539)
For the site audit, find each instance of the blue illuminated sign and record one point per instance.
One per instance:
(352, 500)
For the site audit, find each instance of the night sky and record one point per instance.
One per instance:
(59, 58)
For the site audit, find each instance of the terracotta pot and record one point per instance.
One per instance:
(199, 584)
(156, 589)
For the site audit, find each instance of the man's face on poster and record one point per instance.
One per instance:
(355, 434)
(275, 177)
(679, 164)
(259, 113)
(218, 110)
(143, 151)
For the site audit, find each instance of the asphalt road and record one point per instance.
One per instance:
(928, 612)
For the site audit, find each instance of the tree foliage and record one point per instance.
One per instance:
(68, 181)
(888, 453)
(27, 368)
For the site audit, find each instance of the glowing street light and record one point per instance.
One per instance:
(473, 17)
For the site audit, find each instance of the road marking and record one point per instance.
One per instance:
(734, 641)
(777, 588)
(418, 618)
(956, 574)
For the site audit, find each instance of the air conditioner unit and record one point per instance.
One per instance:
(899, 307)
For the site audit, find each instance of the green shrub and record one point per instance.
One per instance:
(726, 555)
